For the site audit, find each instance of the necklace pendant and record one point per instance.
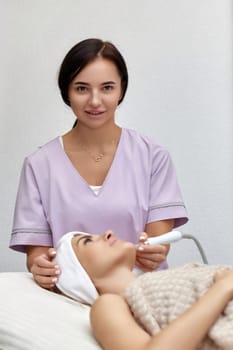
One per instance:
(99, 157)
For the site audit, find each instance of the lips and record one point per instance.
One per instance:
(94, 113)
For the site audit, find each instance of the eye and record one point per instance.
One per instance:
(81, 88)
(87, 240)
(108, 87)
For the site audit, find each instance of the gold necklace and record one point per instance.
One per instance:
(98, 157)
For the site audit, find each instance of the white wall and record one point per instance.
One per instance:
(179, 56)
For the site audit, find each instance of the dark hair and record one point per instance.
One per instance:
(83, 53)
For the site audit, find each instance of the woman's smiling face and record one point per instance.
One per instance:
(101, 254)
(95, 92)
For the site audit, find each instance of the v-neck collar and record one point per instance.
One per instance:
(78, 175)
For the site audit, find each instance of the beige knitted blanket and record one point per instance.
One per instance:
(157, 298)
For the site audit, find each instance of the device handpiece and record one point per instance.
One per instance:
(166, 238)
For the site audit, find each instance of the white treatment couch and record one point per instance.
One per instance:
(32, 318)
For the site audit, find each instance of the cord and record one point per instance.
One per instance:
(198, 244)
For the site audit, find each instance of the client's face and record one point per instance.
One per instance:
(100, 254)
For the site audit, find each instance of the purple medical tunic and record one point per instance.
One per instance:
(140, 187)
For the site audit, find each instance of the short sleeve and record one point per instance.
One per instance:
(30, 226)
(165, 200)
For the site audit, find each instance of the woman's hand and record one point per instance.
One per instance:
(40, 264)
(149, 258)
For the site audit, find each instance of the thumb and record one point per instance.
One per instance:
(142, 237)
(51, 253)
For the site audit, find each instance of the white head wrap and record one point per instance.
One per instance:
(73, 280)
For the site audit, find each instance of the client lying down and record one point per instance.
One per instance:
(185, 308)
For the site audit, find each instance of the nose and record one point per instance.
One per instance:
(95, 99)
(108, 235)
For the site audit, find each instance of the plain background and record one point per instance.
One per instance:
(179, 56)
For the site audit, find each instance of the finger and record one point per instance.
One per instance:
(52, 272)
(148, 266)
(149, 260)
(150, 254)
(51, 253)
(157, 249)
(151, 257)
(142, 237)
(45, 282)
(42, 261)
(150, 263)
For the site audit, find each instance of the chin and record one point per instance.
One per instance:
(130, 248)
(128, 245)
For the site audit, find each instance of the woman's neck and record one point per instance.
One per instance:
(108, 134)
(116, 282)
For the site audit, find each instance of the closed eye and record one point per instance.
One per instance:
(87, 240)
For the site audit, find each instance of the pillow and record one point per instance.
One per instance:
(32, 318)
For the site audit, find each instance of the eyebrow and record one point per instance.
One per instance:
(86, 84)
(80, 83)
(109, 82)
